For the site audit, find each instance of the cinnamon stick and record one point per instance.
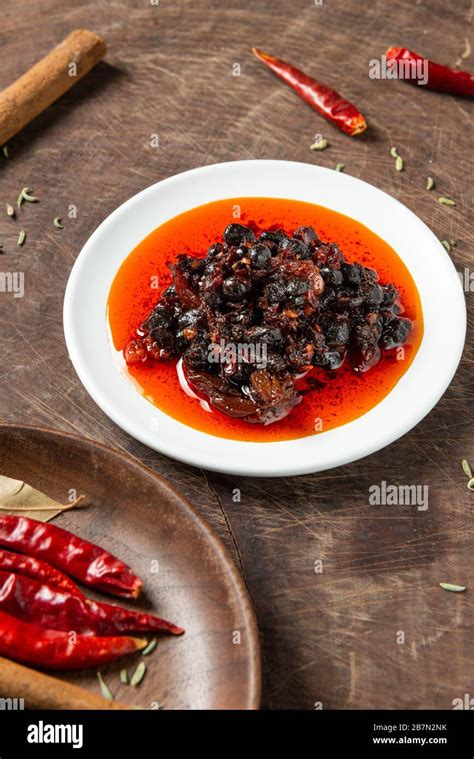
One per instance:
(47, 80)
(40, 691)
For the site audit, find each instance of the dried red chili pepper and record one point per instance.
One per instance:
(80, 559)
(51, 649)
(323, 99)
(37, 602)
(38, 570)
(440, 78)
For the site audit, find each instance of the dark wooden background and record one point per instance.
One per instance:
(329, 637)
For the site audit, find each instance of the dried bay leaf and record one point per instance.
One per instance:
(9, 487)
(17, 497)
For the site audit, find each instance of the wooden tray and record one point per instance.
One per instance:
(138, 516)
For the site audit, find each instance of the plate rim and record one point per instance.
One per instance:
(254, 696)
(191, 453)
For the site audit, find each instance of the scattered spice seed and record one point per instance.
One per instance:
(399, 163)
(139, 674)
(393, 152)
(1, 248)
(429, 183)
(124, 677)
(447, 201)
(465, 54)
(319, 144)
(104, 688)
(452, 588)
(5, 151)
(340, 166)
(470, 484)
(10, 210)
(466, 467)
(21, 238)
(150, 647)
(57, 223)
(26, 192)
(446, 245)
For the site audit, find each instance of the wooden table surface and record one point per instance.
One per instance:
(331, 638)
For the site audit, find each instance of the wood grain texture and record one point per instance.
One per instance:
(327, 637)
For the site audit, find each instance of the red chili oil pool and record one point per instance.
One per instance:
(333, 398)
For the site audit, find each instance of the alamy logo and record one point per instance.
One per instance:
(399, 69)
(12, 704)
(466, 702)
(12, 282)
(467, 279)
(45, 733)
(399, 495)
(238, 353)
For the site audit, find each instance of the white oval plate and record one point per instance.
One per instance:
(411, 399)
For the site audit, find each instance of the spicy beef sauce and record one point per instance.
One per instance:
(333, 398)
